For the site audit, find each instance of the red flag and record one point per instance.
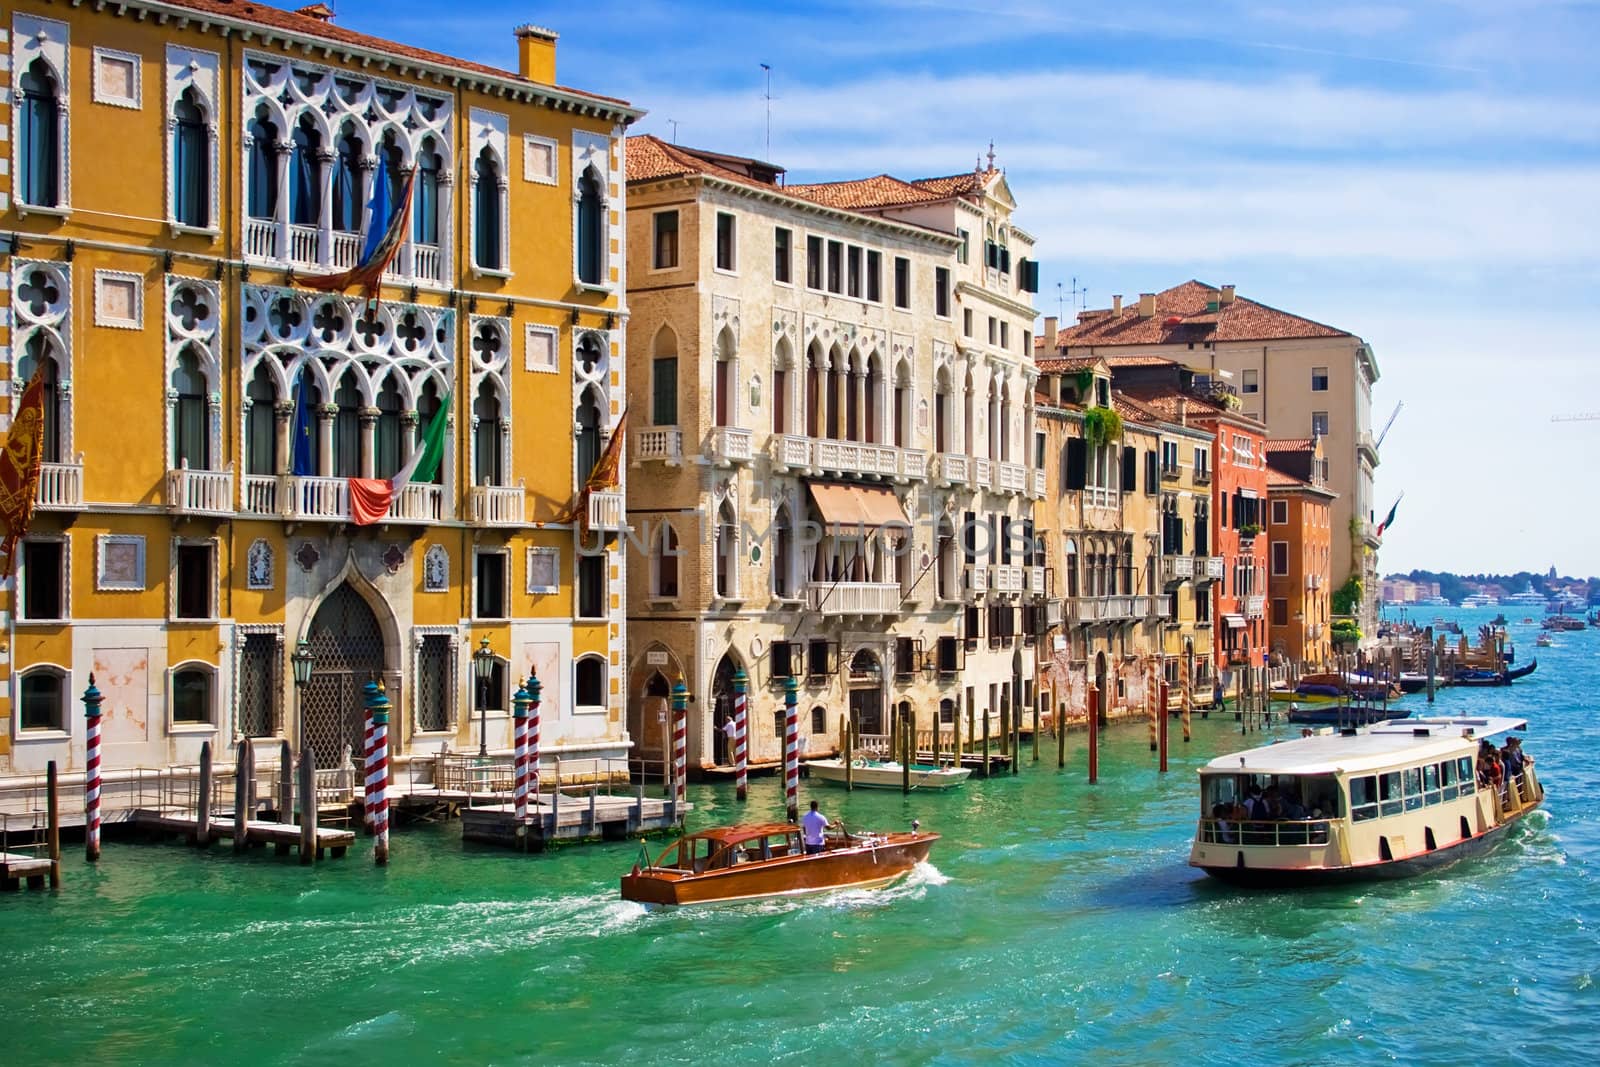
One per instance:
(19, 467)
(380, 250)
(607, 474)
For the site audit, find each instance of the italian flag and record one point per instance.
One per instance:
(1389, 519)
(370, 497)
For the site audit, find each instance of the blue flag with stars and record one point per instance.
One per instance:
(301, 463)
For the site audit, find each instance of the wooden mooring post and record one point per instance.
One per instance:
(52, 823)
(241, 797)
(848, 736)
(308, 806)
(1036, 728)
(907, 746)
(1161, 726)
(1094, 734)
(202, 807)
(986, 743)
(1061, 737)
(285, 784)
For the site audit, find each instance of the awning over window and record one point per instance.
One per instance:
(1235, 622)
(856, 506)
(1248, 493)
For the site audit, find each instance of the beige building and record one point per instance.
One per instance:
(1300, 377)
(832, 406)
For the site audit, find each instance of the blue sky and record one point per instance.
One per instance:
(1424, 175)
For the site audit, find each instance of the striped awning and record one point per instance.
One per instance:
(856, 506)
(1235, 622)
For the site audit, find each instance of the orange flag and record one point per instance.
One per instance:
(607, 474)
(19, 468)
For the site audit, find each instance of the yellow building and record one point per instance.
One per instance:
(177, 170)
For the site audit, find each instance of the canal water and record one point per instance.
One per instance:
(1057, 922)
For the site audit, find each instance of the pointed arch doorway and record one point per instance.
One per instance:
(348, 644)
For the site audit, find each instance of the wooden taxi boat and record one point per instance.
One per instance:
(758, 861)
(1388, 801)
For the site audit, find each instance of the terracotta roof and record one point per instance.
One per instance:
(1183, 315)
(650, 158)
(1276, 479)
(311, 26)
(885, 190)
(1139, 361)
(1164, 402)
(1129, 408)
(1068, 365)
(1291, 444)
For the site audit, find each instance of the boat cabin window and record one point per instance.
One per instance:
(1389, 793)
(1430, 784)
(1448, 789)
(1465, 776)
(1218, 789)
(1364, 798)
(1413, 777)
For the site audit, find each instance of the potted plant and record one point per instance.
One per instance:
(1249, 530)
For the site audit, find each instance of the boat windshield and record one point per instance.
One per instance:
(1280, 796)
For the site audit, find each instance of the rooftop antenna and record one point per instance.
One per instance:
(1385, 431)
(1060, 303)
(1080, 297)
(674, 124)
(768, 97)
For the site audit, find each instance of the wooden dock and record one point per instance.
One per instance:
(281, 835)
(19, 867)
(569, 818)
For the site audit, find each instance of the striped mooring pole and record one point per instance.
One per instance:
(519, 710)
(791, 747)
(741, 731)
(92, 699)
(680, 746)
(370, 735)
(535, 688)
(378, 772)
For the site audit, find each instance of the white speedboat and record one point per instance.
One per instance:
(888, 774)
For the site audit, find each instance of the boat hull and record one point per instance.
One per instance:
(858, 866)
(877, 777)
(1408, 867)
(1344, 715)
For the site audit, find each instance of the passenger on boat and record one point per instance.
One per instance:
(1490, 769)
(814, 824)
(1223, 813)
(1513, 759)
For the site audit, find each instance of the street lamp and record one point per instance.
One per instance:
(483, 667)
(303, 660)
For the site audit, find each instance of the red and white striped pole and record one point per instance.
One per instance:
(741, 731)
(91, 780)
(519, 711)
(680, 747)
(535, 688)
(378, 772)
(791, 747)
(369, 737)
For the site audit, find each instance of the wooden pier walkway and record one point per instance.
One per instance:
(19, 867)
(561, 817)
(281, 835)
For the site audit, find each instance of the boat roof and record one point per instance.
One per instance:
(743, 831)
(1381, 746)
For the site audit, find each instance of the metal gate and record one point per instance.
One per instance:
(348, 646)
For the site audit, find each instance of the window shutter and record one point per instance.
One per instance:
(1077, 462)
(1130, 469)
(1151, 476)
(1005, 260)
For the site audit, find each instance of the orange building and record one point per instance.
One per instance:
(1299, 550)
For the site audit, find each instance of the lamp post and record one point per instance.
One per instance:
(483, 667)
(303, 660)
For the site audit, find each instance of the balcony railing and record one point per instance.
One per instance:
(319, 498)
(983, 473)
(1097, 497)
(730, 445)
(304, 246)
(261, 495)
(1313, 581)
(953, 468)
(1202, 476)
(346, 249)
(1160, 607)
(1037, 479)
(191, 492)
(496, 505)
(1006, 578)
(977, 582)
(304, 498)
(1097, 609)
(1209, 568)
(1171, 472)
(61, 486)
(1177, 568)
(606, 510)
(852, 457)
(1013, 478)
(419, 502)
(1035, 576)
(913, 463)
(1254, 606)
(427, 264)
(261, 238)
(664, 443)
(854, 598)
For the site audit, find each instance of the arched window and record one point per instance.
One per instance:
(305, 188)
(591, 228)
(781, 383)
(1003, 428)
(994, 419)
(425, 206)
(941, 414)
(664, 564)
(727, 544)
(487, 430)
(819, 721)
(191, 695)
(486, 213)
(262, 191)
(393, 158)
(428, 404)
(191, 163)
(347, 428)
(947, 578)
(852, 397)
(815, 378)
(261, 424)
(347, 200)
(390, 430)
(39, 352)
(586, 448)
(902, 405)
(589, 682)
(724, 387)
(191, 440)
(836, 371)
(968, 427)
(664, 378)
(39, 150)
(784, 577)
(1072, 567)
(43, 694)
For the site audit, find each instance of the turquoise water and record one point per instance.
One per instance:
(1058, 922)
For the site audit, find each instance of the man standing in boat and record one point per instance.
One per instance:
(813, 825)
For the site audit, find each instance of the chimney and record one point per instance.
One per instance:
(1116, 306)
(320, 12)
(1050, 332)
(536, 53)
(1183, 411)
(1227, 295)
(1147, 305)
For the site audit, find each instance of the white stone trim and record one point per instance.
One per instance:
(213, 605)
(211, 725)
(494, 369)
(102, 94)
(491, 130)
(104, 541)
(36, 37)
(436, 569)
(261, 565)
(55, 321)
(191, 68)
(529, 174)
(596, 149)
(552, 334)
(102, 317)
(203, 338)
(544, 551)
